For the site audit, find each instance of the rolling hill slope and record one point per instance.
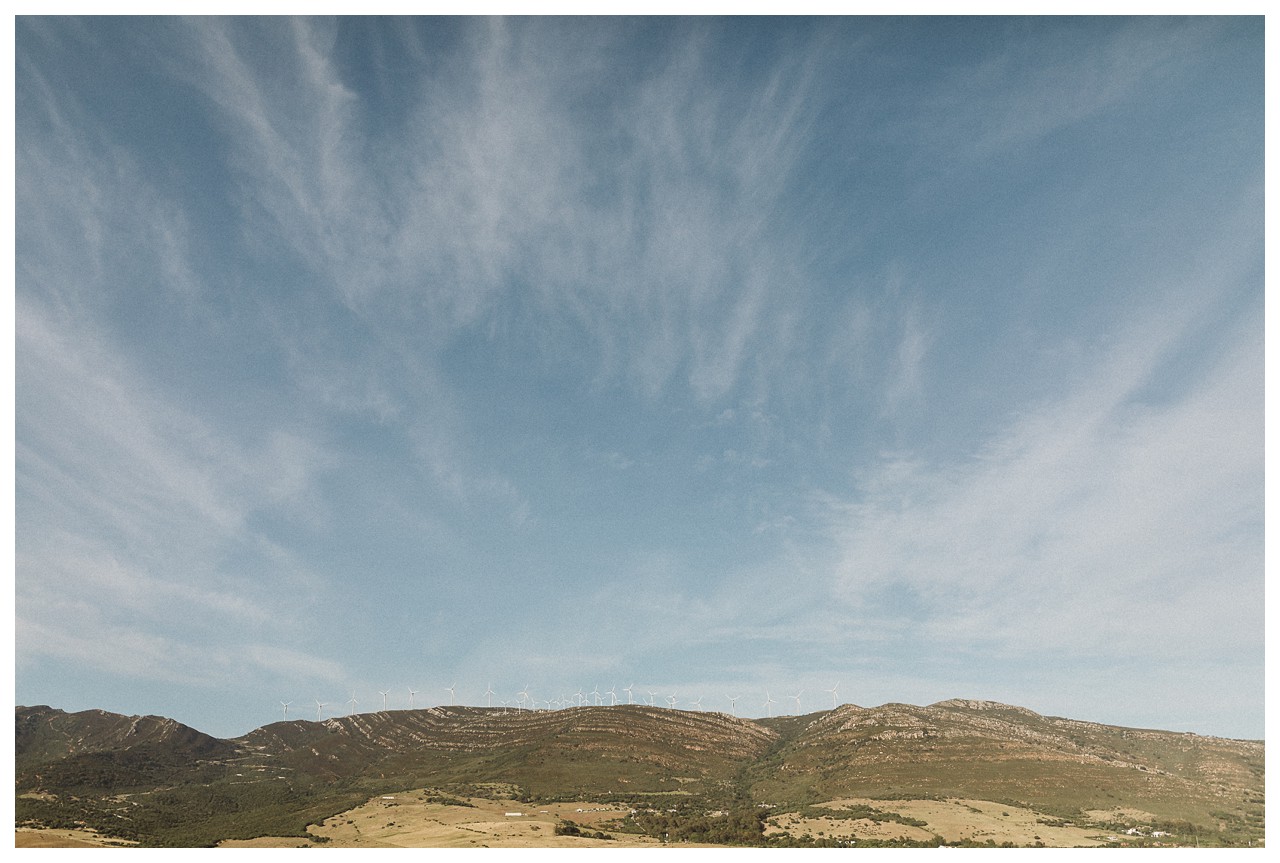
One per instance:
(157, 781)
(990, 751)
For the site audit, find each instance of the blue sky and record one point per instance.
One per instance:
(924, 356)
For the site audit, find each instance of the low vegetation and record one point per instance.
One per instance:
(956, 773)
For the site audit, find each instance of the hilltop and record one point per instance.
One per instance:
(675, 774)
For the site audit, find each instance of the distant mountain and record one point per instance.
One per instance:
(991, 751)
(44, 734)
(158, 781)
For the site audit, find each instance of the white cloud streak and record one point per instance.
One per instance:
(653, 235)
(1094, 524)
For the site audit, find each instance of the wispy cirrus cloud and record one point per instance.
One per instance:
(1079, 73)
(1092, 523)
(655, 238)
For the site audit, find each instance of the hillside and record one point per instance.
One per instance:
(990, 751)
(688, 775)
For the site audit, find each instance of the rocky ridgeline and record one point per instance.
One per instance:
(477, 729)
(1013, 732)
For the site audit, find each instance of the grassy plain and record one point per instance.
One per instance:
(413, 820)
(58, 838)
(955, 820)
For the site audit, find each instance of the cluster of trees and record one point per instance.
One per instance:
(190, 816)
(740, 825)
(870, 813)
(568, 828)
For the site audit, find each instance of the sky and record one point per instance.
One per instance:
(921, 358)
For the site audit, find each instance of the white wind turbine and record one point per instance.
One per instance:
(613, 696)
(320, 705)
(697, 704)
(797, 698)
(579, 696)
(449, 689)
(524, 696)
(596, 694)
(412, 692)
(628, 690)
(651, 696)
(832, 690)
(488, 694)
(733, 703)
(352, 701)
(384, 699)
(768, 700)
(671, 701)
(285, 705)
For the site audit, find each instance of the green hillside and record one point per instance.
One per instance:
(688, 775)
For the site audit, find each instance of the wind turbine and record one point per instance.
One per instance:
(797, 698)
(832, 690)
(628, 689)
(412, 692)
(384, 699)
(596, 692)
(450, 691)
(613, 696)
(489, 693)
(352, 701)
(285, 705)
(651, 695)
(524, 695)
(319, 706)
(579, 696)
(671, 701)
(733, 703)
(697, 704)
(767, 701)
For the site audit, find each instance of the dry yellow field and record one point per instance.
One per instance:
(28, 838)
(953, 820)
(405, 820)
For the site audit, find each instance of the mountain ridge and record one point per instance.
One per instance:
(283, 775)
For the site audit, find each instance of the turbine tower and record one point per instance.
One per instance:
(733, 703)
(319, 706)
(628, 689)
(651, 695)
(768, 700)
(488, 694)
(285, 705)
(384, 699)
(352, 701)
(797, 698)
(832, 690)
(412, 692)
(450, 691)
(596, 694)
(613, 696)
